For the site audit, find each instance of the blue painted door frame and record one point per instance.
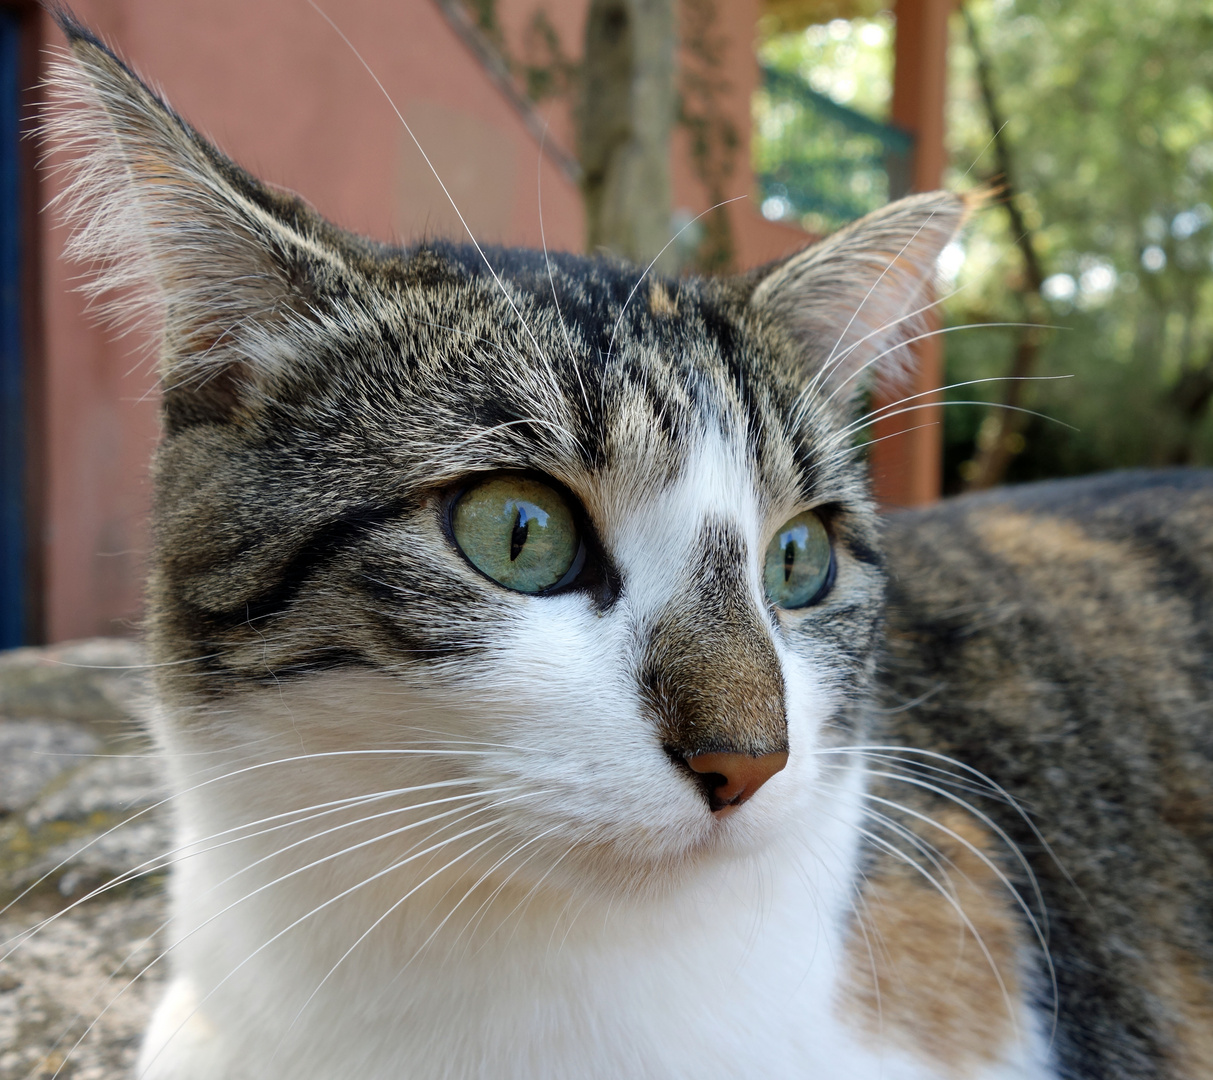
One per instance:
(13, 555)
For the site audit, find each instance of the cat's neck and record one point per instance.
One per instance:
(482, 951)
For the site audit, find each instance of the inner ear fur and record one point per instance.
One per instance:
(175, 233)
(848, 304)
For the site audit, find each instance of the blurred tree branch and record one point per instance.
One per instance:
(1000, 437)
(624, 122)
(714, 139)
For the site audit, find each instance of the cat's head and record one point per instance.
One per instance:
(555, 528)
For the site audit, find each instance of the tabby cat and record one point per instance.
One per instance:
(544, 698)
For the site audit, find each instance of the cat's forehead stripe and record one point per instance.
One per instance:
(653, 390)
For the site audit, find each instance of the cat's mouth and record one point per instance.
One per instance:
(727, 779)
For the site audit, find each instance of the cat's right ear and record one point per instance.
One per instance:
(847, 306)
(176, 234)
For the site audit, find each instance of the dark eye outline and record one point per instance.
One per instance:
(591, 571)
(825, 515)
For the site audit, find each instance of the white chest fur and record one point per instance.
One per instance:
(332, 948)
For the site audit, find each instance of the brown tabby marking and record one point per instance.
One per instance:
(919, 977)
(1185, 994)
(1059, 638)
(1027, 541)
(661, 303)
(1087, 574)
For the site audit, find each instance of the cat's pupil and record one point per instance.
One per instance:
(789, 560)
(522, 526)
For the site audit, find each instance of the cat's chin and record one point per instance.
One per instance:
(693, 850)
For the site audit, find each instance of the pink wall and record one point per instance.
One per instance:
(276, 88)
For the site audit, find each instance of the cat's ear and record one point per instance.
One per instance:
(174, 231)
(848, 304)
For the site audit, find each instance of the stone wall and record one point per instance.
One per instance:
(82, 847)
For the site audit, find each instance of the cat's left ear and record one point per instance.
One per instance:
(847, 305)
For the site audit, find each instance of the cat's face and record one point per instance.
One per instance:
(548, 531)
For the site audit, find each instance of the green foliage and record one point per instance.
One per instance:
(1109, 107)
(816, 165)
(850, 61)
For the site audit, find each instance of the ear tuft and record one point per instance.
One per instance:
(850, 303)
(173, 232)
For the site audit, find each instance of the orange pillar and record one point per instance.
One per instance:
(906, 468)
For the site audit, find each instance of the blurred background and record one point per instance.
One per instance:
(710, 135)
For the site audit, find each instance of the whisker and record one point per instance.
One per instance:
(165, 860)
(482, 910)
(341, 895)
(829, 364)
(463, 740)
(877, 413)
(987, 404)
(803, 401)
(1010, 800)
(901, 856)
(938, 332)
(217, 779)
(128, 667)
(645, 272)
(589, 412)
(986, 820)
(538, 421)
(855, 448)
(421, 150)
(395, 906)
(1039, 926)
(525, 901)
(248, 896)
(942, 775)
(936, 857)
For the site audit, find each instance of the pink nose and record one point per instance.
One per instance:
(739, 776)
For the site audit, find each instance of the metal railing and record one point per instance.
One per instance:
(821, 163)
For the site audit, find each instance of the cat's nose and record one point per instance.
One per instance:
(730, 779)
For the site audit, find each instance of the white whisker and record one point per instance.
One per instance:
(961, 914)
(340, 896)
(387, 914)
(214, 780)
(645, 272)
(430, 165)
(830, 362)
(248, 896)
(192, 849)
(589, 412)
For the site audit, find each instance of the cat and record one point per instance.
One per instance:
(543, 696)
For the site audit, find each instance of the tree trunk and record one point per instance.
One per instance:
(626, 114)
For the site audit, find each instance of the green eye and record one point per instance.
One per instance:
(517, 531)
(799, 562)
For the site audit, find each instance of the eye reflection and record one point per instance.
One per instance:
(799, 561)
(518, 531)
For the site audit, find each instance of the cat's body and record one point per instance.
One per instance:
(1057, 640)
(602, 800)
